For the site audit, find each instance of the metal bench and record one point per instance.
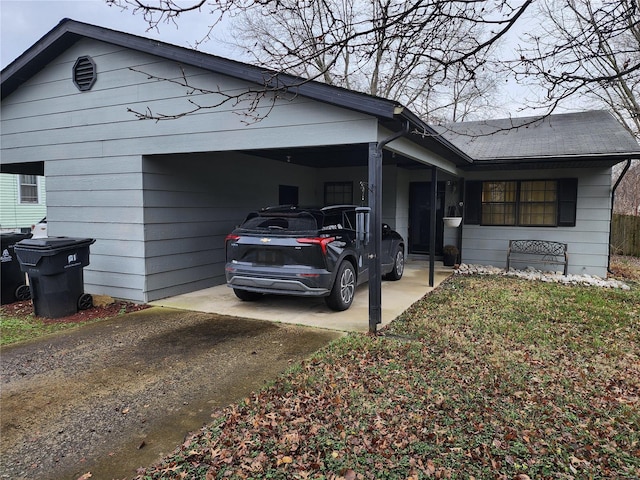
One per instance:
(538, 251)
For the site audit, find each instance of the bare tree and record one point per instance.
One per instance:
(591, 50)
(587, 49)
(627, 200)
(579, 45)
(390, 62)
(438, 47)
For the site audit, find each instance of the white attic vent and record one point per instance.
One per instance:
(84, 73)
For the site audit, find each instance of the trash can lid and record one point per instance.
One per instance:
(8, 239)
(53, 243)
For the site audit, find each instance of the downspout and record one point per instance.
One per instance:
(613, 199)
(375, 202)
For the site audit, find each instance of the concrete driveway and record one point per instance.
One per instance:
(313, 312)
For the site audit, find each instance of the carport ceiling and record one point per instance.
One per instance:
(31, 168)
(332, 156)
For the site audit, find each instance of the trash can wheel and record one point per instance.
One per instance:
(23, 292)
(85, 301)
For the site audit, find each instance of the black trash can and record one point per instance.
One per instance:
(54, 266)
(12, 281)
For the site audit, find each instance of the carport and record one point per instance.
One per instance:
(407, 143)
(159, 197)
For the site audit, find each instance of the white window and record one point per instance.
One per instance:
(28, 189)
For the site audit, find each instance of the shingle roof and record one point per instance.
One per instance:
(569, 136)
(584, 138)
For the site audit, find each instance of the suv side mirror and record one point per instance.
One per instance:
(363, 215)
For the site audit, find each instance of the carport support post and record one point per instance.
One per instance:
(375, 203)
(432, 227)
(375, 224)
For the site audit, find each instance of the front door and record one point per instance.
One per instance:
(420, 217)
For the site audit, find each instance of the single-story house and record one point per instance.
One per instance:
(159, 197)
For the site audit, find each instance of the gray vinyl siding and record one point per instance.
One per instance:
(102, 199)
(160, 228)
(160, 197)
(587, 242)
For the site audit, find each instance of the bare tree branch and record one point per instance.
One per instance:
(251, 98)
(376, 53)
(590, 50)
(581, 48)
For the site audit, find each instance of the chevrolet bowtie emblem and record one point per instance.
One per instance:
(265, 240)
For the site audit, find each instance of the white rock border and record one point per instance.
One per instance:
(531, 273)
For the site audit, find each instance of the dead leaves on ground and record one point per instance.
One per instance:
(447, 400)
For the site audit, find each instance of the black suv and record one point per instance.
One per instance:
(306, 251)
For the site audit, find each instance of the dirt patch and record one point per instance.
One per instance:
(104, 307)
(116, 395)
(625, 267)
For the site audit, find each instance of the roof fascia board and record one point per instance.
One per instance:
(406, 147)
(50, 45)
(617, 156)
(582, 161)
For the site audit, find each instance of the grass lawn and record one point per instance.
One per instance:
(18, 322)
(484, 378)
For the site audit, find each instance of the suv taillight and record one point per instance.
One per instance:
(322, 241)
(231, 237)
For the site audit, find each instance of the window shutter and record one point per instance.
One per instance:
(472, 202)
(567, 201)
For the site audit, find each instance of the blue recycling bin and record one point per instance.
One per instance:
(55, 269)
(12, 279)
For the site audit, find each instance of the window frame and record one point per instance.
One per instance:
(520, 204)
(36, 186)
(335, 184)
(507, 205)
(566, 200)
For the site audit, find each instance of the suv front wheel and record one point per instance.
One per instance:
(398, 266)
(344, 288)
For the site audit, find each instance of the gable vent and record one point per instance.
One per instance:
(84, 73)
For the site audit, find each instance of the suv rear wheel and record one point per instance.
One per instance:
(344, 288)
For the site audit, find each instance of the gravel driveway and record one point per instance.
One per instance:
(116, 395)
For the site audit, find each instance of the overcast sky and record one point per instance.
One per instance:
(24, 22)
